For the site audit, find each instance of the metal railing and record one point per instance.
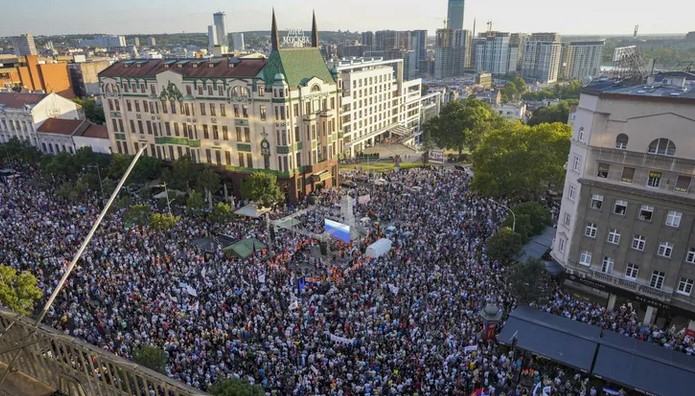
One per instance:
(75, 367)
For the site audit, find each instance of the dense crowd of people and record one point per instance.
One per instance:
(403, 323)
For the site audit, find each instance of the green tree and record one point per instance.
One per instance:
(195, 202)
(209, 182)
(18, 291)
(522, 226)
(553, 113)
(61, 166)
(138, 214)
(20, 150)
(526, 281)
(163, 221)
(461, 123)
(539, 216)
(504, 246)
(67, 192)
(519, 161)
(151, 357)
(92, 110)
(513, 89)
(221, 213)
(182, 174)
(236, 387)
(262, 188)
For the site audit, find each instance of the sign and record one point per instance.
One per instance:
(363, 199)
(295, 38)
(436, 157)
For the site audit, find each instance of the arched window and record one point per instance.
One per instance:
(315, 88)
(240, 92)
(621, 141)
(662, 146)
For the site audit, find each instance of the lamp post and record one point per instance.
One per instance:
(166, 191)
(101, 182)
(510, 211)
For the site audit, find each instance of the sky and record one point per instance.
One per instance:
(51, 17)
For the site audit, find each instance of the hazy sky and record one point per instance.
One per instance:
(44, 17)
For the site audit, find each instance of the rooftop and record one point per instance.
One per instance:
(96, 131)
(17, 100)
(62, 127)
(673, 85)
(189, 68)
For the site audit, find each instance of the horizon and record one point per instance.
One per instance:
(71, 17)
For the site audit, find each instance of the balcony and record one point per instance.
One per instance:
(633, 286)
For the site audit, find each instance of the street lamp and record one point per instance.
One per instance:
(510, 211)
(166, 191)
(101, 182)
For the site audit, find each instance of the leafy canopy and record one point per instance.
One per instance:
(18, 291)
(461, 123)
(262, 188)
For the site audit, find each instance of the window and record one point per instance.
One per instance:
(591, 230)
(206, 132)
(576, 163)
(241, 160)
(238, 134)
(657, 279)
(596, 201)
(225, 133)
(665, 249)
(571, 192)
(213, 113)
(682, 184)
(654, 179)
(662, 146)
(223, 110)
(236, 111)
(673, 218)
(262, 111)
(638, 242)
(585, 258)
(200, 90)
(227, 158)
(202, 109)
(614, 236)
(620, 207)
(621, 141)
(628, 175)
(247, 137)
(631, 271)
(567, 219)
(690, 257)
(209, 93)
(607, 265)
(685, 286)
(646, 212)
(128, 105)
(215, 133)
(561, 245)
(580, 133)
(603, 170)
(249, 160)
(245, 111)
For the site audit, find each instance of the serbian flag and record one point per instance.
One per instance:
(477, 392)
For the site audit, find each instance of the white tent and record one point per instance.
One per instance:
(379, 248)
(251, 210)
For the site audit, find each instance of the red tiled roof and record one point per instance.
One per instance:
(60, 126)
(193, 68)
(17, 100)
(96, 131)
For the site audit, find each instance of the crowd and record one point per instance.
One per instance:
(403, 323)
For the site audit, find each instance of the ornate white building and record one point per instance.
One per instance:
(21, 114)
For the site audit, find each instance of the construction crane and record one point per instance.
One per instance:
(489, 28)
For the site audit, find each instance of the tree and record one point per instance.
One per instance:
(93, 111)
(151, 357)
(553, 113)
(138, 214)
(519, 161)
(209, 182)
(262, 188)
(183, 172)
(539, 216)
(526, 281)
(522, 225)
(147, 168)
(18, 291)
(513, 89)
(221, 213)
(460, 124)
(504, 246)
(195, 202)
(163, 221)
(236, 387)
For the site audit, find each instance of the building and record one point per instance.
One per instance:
(57, 135)
(418, 43)
(455, 14)
(368, 40)
(377, 103)
(452, 53)
(484, 80)
(136, 42)
(152, 42)
(84, 77)
(627, 219)
(241, 115)
(583, 59)
(511, 111)
(620, 53)
(24, 45)
(494, 54)
(238, 42)
(21, 114)
(220, 29)
(34, 74)
(212, 38)
(103, 42)
(545, 37)
(540, 61)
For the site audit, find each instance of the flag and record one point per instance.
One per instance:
(477, 392)
(261, 278)
(301, 283)
(254, 248)
(294, 305)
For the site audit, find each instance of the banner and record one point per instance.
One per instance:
(342, 340)
(363, 199)
(436, 157)
(393, 288)
(470, 348)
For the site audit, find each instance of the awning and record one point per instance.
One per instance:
(644, 366)
(251, 210)
(571, 344)
(321, 176)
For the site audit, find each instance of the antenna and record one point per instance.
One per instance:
(489, 28)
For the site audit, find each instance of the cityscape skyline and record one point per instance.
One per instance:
(59, 17)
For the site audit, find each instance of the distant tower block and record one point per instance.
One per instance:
(347, 205)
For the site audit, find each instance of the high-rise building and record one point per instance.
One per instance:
(220, 29)
(627, 215)
(549, 37)
(494, 54)
(368, 40)
(136, 42)
(418, 43)
(278, 115)
(151, 41)
(84, 77)
(540, 61)
(378, 102)
(238, 42)
(34, 74)
(103, 41)
(583, 59)
(455, 14)
(451, 53)
(24, 45)
(212, 38)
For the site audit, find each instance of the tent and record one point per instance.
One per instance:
(172, 193)
(251, 210)
(244, 248)
(379, 248)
